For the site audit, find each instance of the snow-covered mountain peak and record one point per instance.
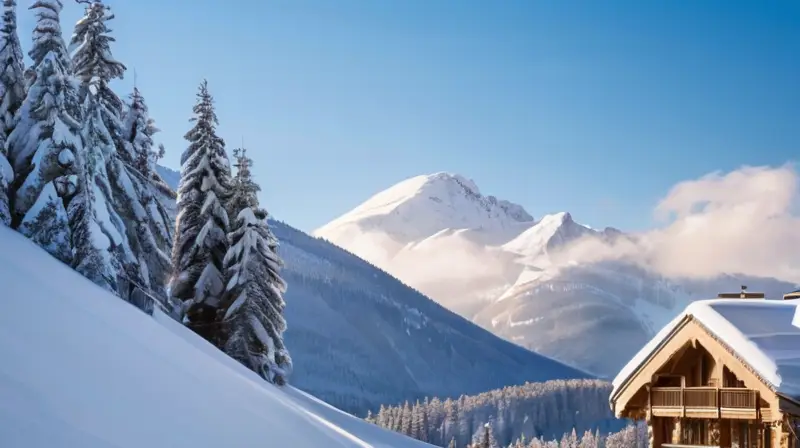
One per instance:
(468, 184)
(421, 206)
(550, 232)
(560, 218)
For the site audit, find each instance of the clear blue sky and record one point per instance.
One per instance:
(596, 108)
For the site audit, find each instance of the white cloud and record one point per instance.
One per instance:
(744, 222)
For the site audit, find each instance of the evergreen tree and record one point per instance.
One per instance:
(46, 138)
(98, 232)
(254, 305)
(572, 439)
(142, 254)
(407, 420)
(151, 235)
(12, 93)
(424, 434)
(382, 417)
(416, 421)
(94, 64)
(202, 224)
(245, 191)
(138, 130)
(12, 82)
(452, 443)
(485, 438)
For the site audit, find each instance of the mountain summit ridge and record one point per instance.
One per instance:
(434, 202)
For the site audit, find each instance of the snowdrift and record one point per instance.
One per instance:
(81, 368)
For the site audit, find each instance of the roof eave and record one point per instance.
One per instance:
(618, 390)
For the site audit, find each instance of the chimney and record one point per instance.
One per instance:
(792, 295)
(743, 294)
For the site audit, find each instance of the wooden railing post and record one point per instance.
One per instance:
(757, 404)
(683, 402)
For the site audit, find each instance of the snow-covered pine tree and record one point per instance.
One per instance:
(12, 93)
(424, 434)
(139, 129)
(381, 420)
(406, 420)
(201, 241)
(485, 438)
(12, 81)
(98, 232)
(253, 305)
(244, 193)
(416, 420)
(569, 440)
(45, 141)
(153, 235)
(90, 47)
(143, 252)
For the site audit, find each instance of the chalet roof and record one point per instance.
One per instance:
(763, 334)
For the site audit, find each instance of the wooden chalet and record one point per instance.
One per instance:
(724, 373)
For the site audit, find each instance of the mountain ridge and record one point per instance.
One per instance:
(434, 194)
(542, 284)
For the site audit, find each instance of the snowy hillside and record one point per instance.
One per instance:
(515, 276)
(83, 369)
(360, 338)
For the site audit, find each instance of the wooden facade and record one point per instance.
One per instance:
(694, 391)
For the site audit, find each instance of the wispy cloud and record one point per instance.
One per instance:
(744, 221)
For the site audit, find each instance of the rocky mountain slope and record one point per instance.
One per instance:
(534, 282)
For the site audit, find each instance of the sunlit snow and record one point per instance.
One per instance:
(83, 369)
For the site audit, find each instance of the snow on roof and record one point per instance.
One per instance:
(765, 334)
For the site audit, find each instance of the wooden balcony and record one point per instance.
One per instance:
(704, 402)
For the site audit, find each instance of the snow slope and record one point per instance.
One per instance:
(511, 274)
(81, 368)
(359, 338)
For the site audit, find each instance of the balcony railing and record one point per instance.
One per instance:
(704, 402)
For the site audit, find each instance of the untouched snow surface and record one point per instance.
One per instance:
(764, 333)
(80, 368)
